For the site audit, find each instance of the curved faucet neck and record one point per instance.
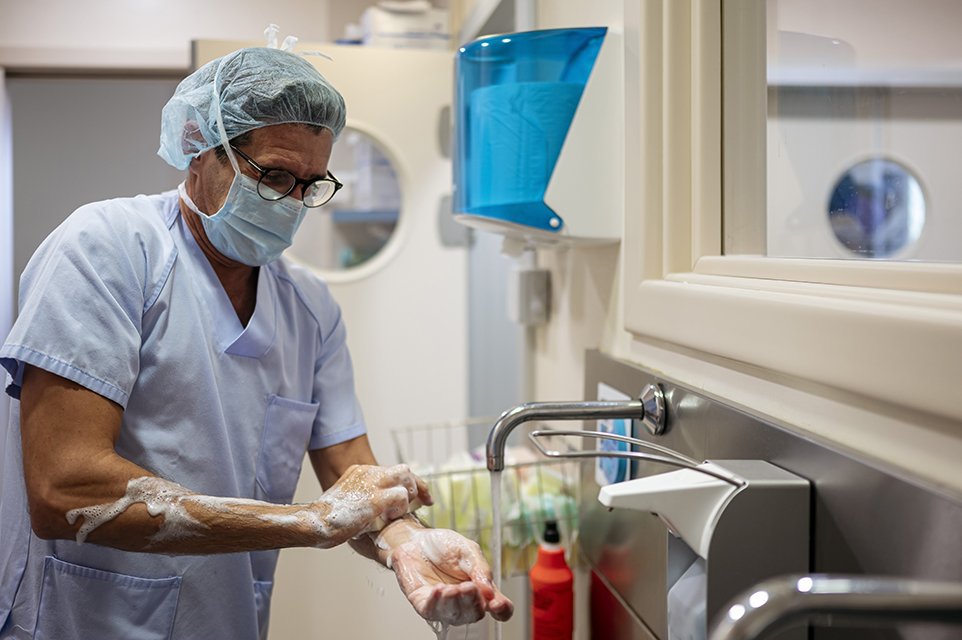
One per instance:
(775, 603)
(580, 410)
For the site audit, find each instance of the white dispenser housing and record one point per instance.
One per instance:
(745, 522)
(539, 136)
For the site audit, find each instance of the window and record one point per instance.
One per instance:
(713, 264)
(358, 222)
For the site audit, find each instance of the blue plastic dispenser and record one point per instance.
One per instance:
(539, 137)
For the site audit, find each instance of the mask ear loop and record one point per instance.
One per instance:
(224, 142)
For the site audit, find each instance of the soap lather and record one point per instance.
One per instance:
(380, 522)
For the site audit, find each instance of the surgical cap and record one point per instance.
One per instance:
(254, 88)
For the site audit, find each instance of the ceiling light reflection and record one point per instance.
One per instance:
(758, 599)
(736, 612)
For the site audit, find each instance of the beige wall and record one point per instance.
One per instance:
(147, 34)
(585, 282)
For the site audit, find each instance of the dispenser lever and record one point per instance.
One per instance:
(669, 456)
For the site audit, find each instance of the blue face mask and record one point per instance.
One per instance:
(248, 228)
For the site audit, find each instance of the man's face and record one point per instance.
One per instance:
(295, 148)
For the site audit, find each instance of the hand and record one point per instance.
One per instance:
(363, 499)
(446, 578)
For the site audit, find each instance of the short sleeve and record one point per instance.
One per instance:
(339, 417)
(82, 298)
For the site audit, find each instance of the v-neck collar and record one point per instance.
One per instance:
(232, 337)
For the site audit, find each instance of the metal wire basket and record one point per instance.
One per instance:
(534, 490)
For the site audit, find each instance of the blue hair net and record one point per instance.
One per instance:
(252, 88)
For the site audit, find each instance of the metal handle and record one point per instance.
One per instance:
(650, 409)
(776, 603)
(669, 456)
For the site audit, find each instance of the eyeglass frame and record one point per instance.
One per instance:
(338, 185)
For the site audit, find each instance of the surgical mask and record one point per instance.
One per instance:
(248, 228)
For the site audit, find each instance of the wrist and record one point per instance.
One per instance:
(394, 534)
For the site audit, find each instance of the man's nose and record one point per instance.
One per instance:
(297, 192)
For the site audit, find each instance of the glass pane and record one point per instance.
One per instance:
(360, 220)
(864, 129)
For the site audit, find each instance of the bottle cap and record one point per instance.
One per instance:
(551, 535)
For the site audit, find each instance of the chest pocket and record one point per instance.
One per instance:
(287, 431)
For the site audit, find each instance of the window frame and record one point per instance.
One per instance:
(888, 332)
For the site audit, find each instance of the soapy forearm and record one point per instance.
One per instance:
(185, 522)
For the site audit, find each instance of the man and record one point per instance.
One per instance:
(169, 371)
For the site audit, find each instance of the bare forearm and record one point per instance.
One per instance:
(160, 516)
(108, 500)
(115, 503)
(78, 487)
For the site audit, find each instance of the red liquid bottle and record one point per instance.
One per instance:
(552, 596)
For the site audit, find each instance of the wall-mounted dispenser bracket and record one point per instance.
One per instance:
(738, 521)
(747, 519)
(656, 416)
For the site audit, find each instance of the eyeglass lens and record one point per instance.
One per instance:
(279, 183)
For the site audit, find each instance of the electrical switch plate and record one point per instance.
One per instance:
(529, 296)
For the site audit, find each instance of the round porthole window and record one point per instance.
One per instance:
(359, 221)
(877, 208)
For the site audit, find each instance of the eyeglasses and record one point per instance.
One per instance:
(275, 184)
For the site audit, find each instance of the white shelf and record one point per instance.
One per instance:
(365, 216)
(799, 76)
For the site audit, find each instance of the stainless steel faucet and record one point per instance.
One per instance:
(779, 602)
(650, 409)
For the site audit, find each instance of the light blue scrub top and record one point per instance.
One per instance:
(120, 299)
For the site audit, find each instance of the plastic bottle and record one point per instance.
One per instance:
(552, 596)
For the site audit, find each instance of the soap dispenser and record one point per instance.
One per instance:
(733, 523)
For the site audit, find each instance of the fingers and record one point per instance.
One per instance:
(393, 502)
(468, 603)
(418, 489)
(400, 475)
(500, 607)
(365, 498)
(424, 493)
(453, 604)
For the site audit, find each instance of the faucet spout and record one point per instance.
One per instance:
(778, 602)
(650, 408)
